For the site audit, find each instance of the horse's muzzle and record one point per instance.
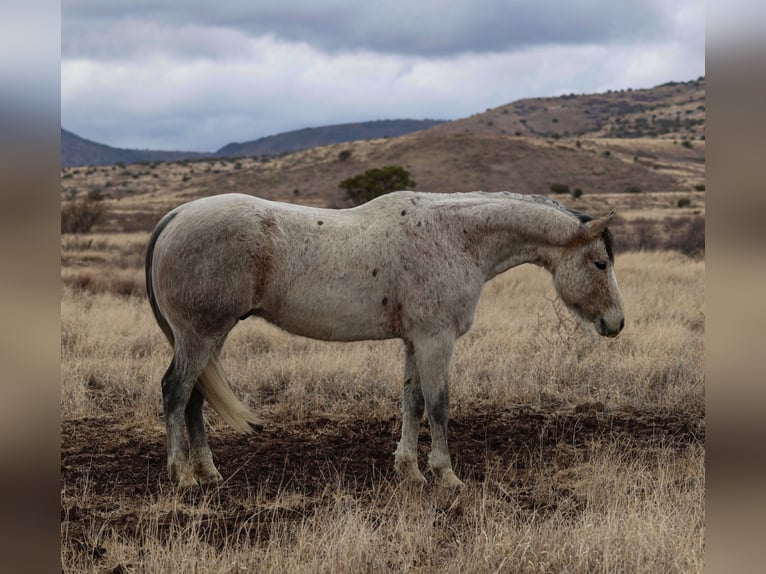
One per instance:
(606, 329)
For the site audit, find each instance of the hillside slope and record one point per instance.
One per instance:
(312, 137)
(672, 110)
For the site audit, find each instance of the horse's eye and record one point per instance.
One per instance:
(600, 265)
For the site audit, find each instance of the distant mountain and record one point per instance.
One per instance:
(312, 137)
(76, 150)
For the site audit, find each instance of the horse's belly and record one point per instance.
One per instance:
(332, 322)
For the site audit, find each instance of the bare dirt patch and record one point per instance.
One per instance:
(108, 462)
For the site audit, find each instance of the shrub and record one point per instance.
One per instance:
(559, 188)
(577, 193)
(632, 189)
(80, 216)
(699, 187)
(684, 202)
(683, 234)
(344, 155)
(687, 143)
(687, 235)
(95, 195)
(376, 182)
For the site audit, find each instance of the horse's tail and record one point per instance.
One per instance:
(212, 381)
(215, 388)
(163, 323)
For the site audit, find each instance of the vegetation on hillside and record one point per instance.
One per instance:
(375, 182)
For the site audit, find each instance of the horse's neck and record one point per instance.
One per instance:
(504, 234)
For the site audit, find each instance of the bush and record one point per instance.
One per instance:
(376, 182)
(577, 193)
(687, 235)
(344, 155)
(684, 202)
(683, 234)
(559, 188)
(95, 195)
(80, 216)
(632, 189)
(699, 187)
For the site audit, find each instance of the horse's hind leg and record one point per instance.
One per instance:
(200, 456)
(413, 404)
(190, 357)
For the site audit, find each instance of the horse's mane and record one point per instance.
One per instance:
(583, 218)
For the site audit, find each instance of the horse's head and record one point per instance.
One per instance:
(585, 280)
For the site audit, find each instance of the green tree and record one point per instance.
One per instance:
(376, 182)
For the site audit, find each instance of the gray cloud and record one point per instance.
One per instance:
(436, 28)
(194, 75)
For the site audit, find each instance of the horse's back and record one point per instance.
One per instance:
(349, 274)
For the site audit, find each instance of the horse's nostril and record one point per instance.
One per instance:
(602, 326)
(622, 324)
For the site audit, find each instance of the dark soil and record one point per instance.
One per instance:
(107, 463)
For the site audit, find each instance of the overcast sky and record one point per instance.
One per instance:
(196, 75)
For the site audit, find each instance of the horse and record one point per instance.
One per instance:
(407, 265)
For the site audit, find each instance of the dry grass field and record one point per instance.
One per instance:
(580, 454)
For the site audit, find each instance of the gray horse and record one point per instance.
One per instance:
(406, 265)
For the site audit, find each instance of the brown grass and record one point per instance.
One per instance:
(522, 348)
(608, 505)
(584, 501)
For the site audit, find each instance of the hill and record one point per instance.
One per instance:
(312, 137)
(671, 110)
(640, 177)
(79, 151)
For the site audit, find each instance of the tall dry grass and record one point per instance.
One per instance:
(524, 347)
(613, 509)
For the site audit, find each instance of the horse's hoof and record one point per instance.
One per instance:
(409, 471)
(187, 482)
(209, 477)
(448, 479)
(182, 476)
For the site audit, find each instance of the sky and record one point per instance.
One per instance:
(194, 76)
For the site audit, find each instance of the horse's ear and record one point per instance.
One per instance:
(595, 227)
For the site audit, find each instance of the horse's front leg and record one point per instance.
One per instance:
(413, 405)
(432, 358)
